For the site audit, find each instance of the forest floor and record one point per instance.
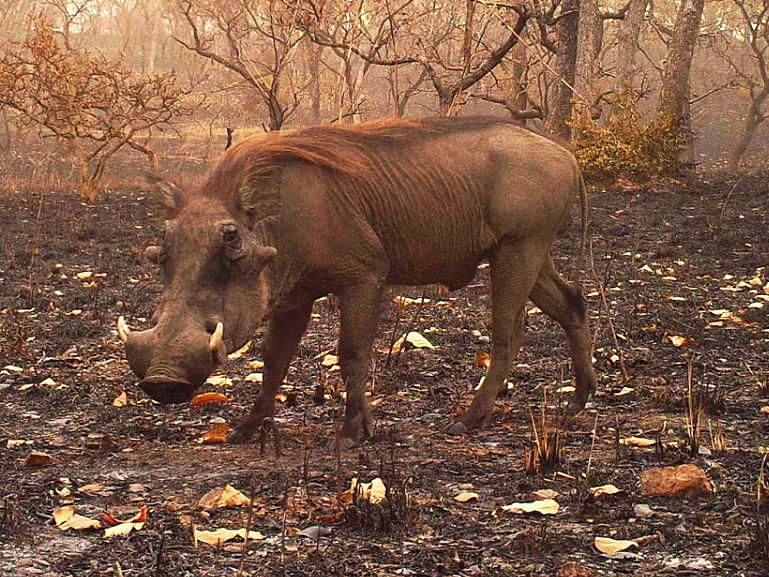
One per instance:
(683, 271)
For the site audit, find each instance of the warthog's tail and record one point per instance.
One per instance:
(583, 244)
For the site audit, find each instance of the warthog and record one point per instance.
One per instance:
(285, 219)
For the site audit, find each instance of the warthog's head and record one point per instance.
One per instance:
(215, 296)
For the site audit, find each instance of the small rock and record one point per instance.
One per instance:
(643, 511)
(217, 421)
(316, 531)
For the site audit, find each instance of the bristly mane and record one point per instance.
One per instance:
(344, 149)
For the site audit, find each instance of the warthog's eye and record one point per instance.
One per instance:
(232, 241)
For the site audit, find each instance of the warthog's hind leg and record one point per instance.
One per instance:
(564, 303)
(514, 268)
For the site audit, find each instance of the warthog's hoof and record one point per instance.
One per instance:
(235, 437)
(457, 428)
(343, 444)
(576, 406)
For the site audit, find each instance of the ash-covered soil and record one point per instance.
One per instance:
(682, 270)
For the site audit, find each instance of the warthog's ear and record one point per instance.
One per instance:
(170, 194)
(259, 197)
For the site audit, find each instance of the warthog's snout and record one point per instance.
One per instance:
(172, 363)
(167, 392)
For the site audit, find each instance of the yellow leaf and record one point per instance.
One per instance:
(543, 507)
(240, 352)
(465, 496)
(66, 518)
(678, 341)
(330, 361)
(219, 381)
(609, 546)
(215, 538)
(121, 400)
(84, 275)
(413, 338)
(374, 492)
(227, 496)
(637, 442)
(605, 490)
(254, 378)
(122, 529)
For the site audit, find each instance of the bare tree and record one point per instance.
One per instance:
(755, 78)
(675, 78)
(627, 44)
(567, 32)
(254, 39)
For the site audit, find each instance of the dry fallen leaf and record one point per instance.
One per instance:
(38, 459)
(597, 492)
(121, 400)
(413, 338)
(66, 518)
(122, 528)
(466, 496)
(234, 356)
(545, 494)
(215, 538)
(482, 360)
(91, 488)
(681, 480)
(215, 435)
(637, 442)
(677, 341)
(227, 496)
(374, 492)
(208, 399)
(609, 546)
(330, 361)
(219, 381)
(543, 507)
(401, 300)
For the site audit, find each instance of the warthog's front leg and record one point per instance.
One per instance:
(359, 311)
(285, 331)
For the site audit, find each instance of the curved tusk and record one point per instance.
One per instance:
(216, 338)
(123, 329)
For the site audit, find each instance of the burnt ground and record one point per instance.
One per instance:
(665, 258)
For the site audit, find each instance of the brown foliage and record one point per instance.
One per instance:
(92, 105)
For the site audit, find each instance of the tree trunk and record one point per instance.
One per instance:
(753, 120)
(565, 66)
(588, 50)
(518, 98)
(675, 77)
(313, 62)
(627, 44)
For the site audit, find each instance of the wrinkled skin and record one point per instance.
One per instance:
(284, 220)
